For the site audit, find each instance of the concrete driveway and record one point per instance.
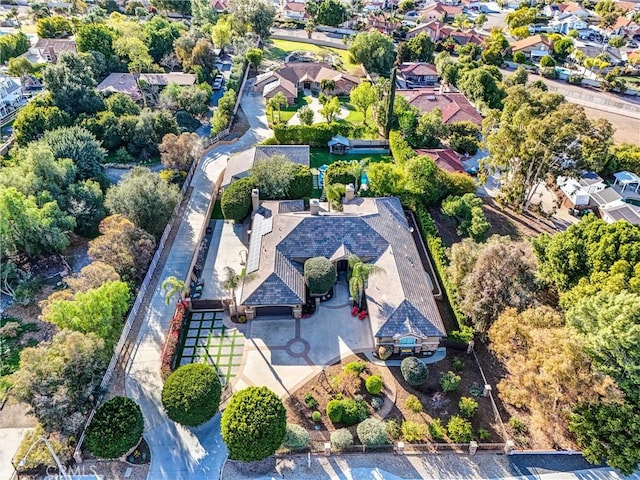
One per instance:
(178, 452)
(283, 353)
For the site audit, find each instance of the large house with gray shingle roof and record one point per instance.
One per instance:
(240, 165)
(401, 306)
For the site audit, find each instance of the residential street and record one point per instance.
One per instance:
(178, 452)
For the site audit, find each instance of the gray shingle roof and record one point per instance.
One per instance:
(400, 298)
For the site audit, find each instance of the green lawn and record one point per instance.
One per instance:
(279, 49)
(320, 156)
(287, 113)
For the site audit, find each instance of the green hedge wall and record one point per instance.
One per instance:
(302, 184)
(339, 172)
(236, 199)
(314, 135)
(399, 147)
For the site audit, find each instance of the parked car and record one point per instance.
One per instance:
(632, 44)
(217, 82)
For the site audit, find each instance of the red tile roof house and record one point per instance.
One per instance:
(294, 11)
(294, 77)
(453, 105)
(445, 158)
(534, 47)
(435, 29)
(437, 11)
(419, 74)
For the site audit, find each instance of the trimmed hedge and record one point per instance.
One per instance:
(314, 135)
(236, 199)
(302, 184)
(400, 148)
(254, 424)
(319, 275)
(341, 439)
(335, 410)
(354, 411)
(460, 430)
(115, 429)
(339, 172)
(191, 394)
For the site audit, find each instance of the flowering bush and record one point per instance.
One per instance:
(171, 340)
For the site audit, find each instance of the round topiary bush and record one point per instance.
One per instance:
(353, 411)
(316, 416)
(191, 394)
(319, 275)
(341, 439)
(254, 424)
(115, 429)
(334, 410)
(295, 437)
(372, 432)
(373, 384)
(236, 199)
(414, 371)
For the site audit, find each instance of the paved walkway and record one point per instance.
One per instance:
(178, 452)
(385, 466)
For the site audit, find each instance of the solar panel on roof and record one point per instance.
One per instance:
(261, 226)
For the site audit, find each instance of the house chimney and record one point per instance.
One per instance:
(314, 206)
(255, 199)
(350, 193)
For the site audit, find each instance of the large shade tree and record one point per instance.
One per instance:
(374, 50)
(536, 134)
(319, 275)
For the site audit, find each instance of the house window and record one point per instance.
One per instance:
(407, 341)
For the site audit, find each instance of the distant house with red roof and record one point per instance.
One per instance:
(294, 11)
(294, 77)
(437, 11)
(445, 158)
(462, 38)
(454, 105)
(220, 5)
(419, 73)
(625, 27)
(534, 47)
(436, 30)
(381, 22)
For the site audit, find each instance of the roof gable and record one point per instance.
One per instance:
(406, 319)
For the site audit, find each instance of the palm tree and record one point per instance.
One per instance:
(231, 282)
(172, 286)
(356, 168)
(16, 16)
(310, 28)
(360, 272)
(280, 101)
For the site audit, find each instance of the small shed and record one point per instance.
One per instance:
(339, 145)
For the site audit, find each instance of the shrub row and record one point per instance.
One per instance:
(224, 113)
(400, 148)
(171, 341)
(440, 259)
(314, 135)
(237, 73)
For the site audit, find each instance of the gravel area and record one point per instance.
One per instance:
(109, 470)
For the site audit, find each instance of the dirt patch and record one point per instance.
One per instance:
(240, 125)
(505, 221)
